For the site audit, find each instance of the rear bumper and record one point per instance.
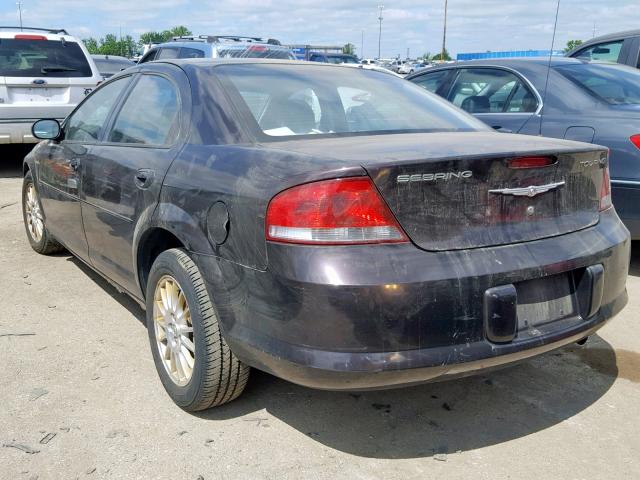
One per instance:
(384, 316)
(18, 130)
(626, 198)
(328, 370)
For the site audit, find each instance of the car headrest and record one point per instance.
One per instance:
(476, 104)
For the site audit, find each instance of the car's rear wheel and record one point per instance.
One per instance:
(39, 237)
(195, 364)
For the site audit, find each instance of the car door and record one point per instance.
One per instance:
(60, 164)
(122, 182)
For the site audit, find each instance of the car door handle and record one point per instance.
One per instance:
(144, 178)
(500, 129)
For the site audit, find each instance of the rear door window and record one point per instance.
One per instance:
(168, 52)
(432, 81)
(42, 58)
(488, 90)
(186, 52)
(86, 123)
(150, 115)
(604, 52)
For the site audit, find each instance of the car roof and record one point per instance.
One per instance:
(48, 34)
(605, 38)
(523, 62)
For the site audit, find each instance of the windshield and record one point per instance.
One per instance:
(613, 84)
(288, 100)
(255, 51)
(38, 58)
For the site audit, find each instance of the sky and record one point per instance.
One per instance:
(473, 25)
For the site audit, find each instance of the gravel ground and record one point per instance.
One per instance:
(80, 398)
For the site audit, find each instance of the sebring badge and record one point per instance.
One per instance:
(433, 177)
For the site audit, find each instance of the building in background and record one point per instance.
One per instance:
(509, 54)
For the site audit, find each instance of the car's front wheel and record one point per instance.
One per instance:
(195, 364)
(34, 223)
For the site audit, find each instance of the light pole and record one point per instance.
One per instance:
(19, 4)
(380, 8)
(444, 34)
(362, 45)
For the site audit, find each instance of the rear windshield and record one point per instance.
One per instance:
(341, 59)
(42, 58)
(614, 84)
(111, 66)
(287, 100)
(255, 51)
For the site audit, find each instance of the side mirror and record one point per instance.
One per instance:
(47, 129)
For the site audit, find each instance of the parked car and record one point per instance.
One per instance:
(586, 101)
(394, 65)
(43, 73)
(217, 46)
(109, 65)
(335, 58)
(620, 47)
(411, 67)
(338, 227)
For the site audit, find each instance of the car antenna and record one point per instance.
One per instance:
(546, 84)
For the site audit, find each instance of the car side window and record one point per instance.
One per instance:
(186, 52)
(149, 56)
(487, 90)
(85, 124)
(605, 52)
(431, 81)
(150, 115)
(168, 52)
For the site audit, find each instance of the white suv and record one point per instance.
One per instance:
(43, 74)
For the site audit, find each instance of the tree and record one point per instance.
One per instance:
(349, 49)
(92, 45)
(164, 36)
(571, 44)
(425, 57)
(438, 57)
(151, 37)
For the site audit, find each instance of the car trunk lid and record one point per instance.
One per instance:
(456, 190)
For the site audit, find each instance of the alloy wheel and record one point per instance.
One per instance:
(35, 221)
(174, 330)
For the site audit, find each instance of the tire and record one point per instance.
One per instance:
(204, 372)
(34, 223)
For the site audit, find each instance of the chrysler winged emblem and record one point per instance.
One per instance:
(531, 191)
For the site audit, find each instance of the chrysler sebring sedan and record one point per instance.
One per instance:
(337, 227)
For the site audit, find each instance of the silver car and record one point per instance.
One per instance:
(43, 74)
(218, 46)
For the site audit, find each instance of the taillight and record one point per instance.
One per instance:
(605, 190)
(635, 139)
(257, 48)
(29, 37)
(332, 212)
(530, 162)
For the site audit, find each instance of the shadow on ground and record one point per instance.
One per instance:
(11, 157)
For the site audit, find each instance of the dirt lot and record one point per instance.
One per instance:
(79, 393)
